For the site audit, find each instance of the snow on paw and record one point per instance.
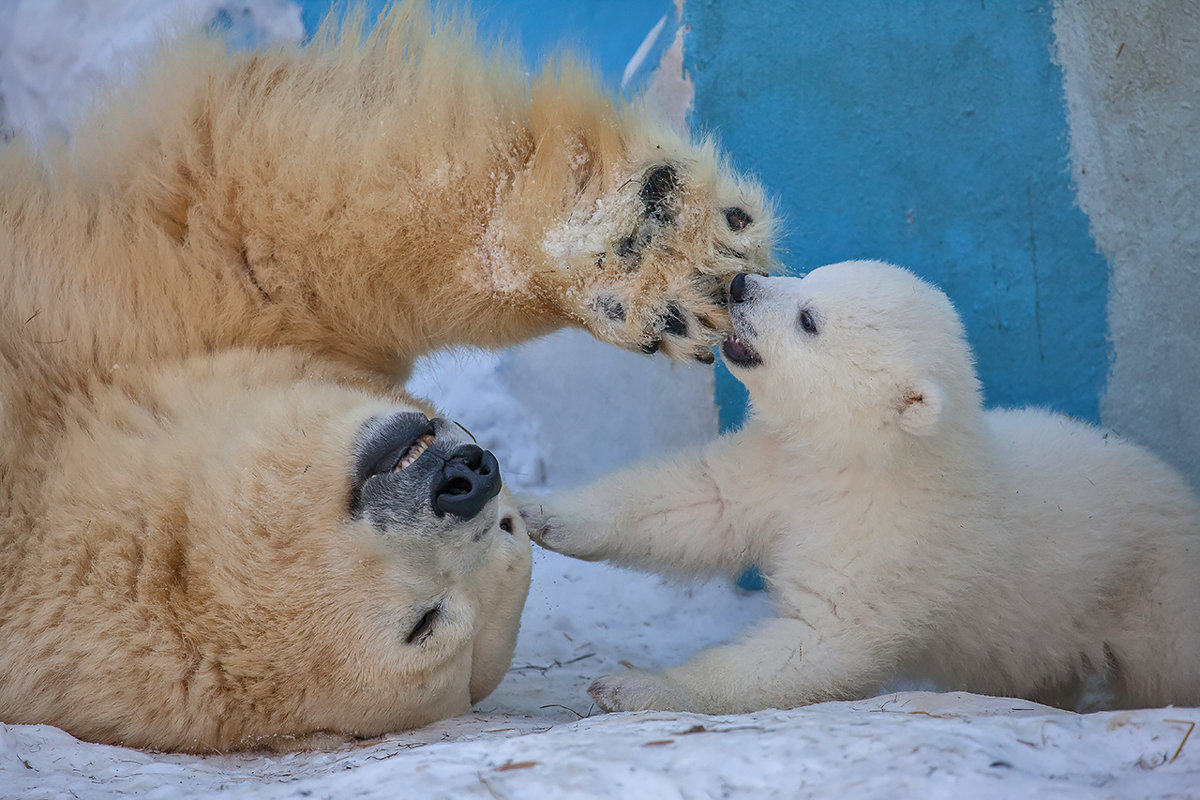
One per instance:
(639, 690)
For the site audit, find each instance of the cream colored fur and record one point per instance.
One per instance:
(902, 529)
(206, 298)
(369, 201)
(184, 572)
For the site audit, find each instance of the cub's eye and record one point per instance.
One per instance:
(808, 322)
(506, 525)
(737, 219)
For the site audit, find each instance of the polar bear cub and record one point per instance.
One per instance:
(902, 529)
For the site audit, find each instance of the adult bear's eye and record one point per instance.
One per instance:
(424, 627)
(808, 322)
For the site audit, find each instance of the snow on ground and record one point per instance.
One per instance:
(538, 735)
(55, 55)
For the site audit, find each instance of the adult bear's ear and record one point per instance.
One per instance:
(921, 408)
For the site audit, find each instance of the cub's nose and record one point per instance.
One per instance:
(469, 478)
(739, 290)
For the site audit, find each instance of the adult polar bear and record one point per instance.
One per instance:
(902, 528)
(220, 524)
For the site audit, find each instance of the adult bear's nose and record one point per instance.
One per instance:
(469, 478)
(739, 288)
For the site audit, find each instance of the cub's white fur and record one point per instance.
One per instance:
(903, 530)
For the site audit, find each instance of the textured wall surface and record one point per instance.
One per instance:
(55, 54)
(1132, 77)
(929, 134)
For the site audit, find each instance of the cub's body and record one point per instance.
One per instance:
(901, 528)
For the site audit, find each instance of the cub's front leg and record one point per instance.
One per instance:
(677, 515)
(779, 663)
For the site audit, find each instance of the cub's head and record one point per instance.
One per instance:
(851, 350)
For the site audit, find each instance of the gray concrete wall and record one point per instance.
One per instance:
(1132, 80)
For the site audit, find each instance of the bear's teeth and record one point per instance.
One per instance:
(414, 451)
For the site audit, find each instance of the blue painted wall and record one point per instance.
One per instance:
(931, 134)
(927, 133)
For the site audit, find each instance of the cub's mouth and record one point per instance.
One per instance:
(738, 352)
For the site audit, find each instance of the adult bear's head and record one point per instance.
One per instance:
(250, 549)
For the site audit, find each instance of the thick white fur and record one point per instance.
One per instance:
(902, 529)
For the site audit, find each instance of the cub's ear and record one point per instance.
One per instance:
(921, 408)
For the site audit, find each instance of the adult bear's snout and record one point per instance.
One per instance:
(468, 480)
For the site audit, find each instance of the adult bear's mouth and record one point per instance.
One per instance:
(413, 452)
(738, 352)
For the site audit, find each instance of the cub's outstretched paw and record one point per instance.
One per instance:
(537, 521)
(648, 266)
(553, 531)
(639, 690)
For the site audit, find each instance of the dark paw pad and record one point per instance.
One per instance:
(713, 287)
(629, 249)
(658, 190)
(673, 322)
(737, 219)
(661, 183)
(610, 307)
